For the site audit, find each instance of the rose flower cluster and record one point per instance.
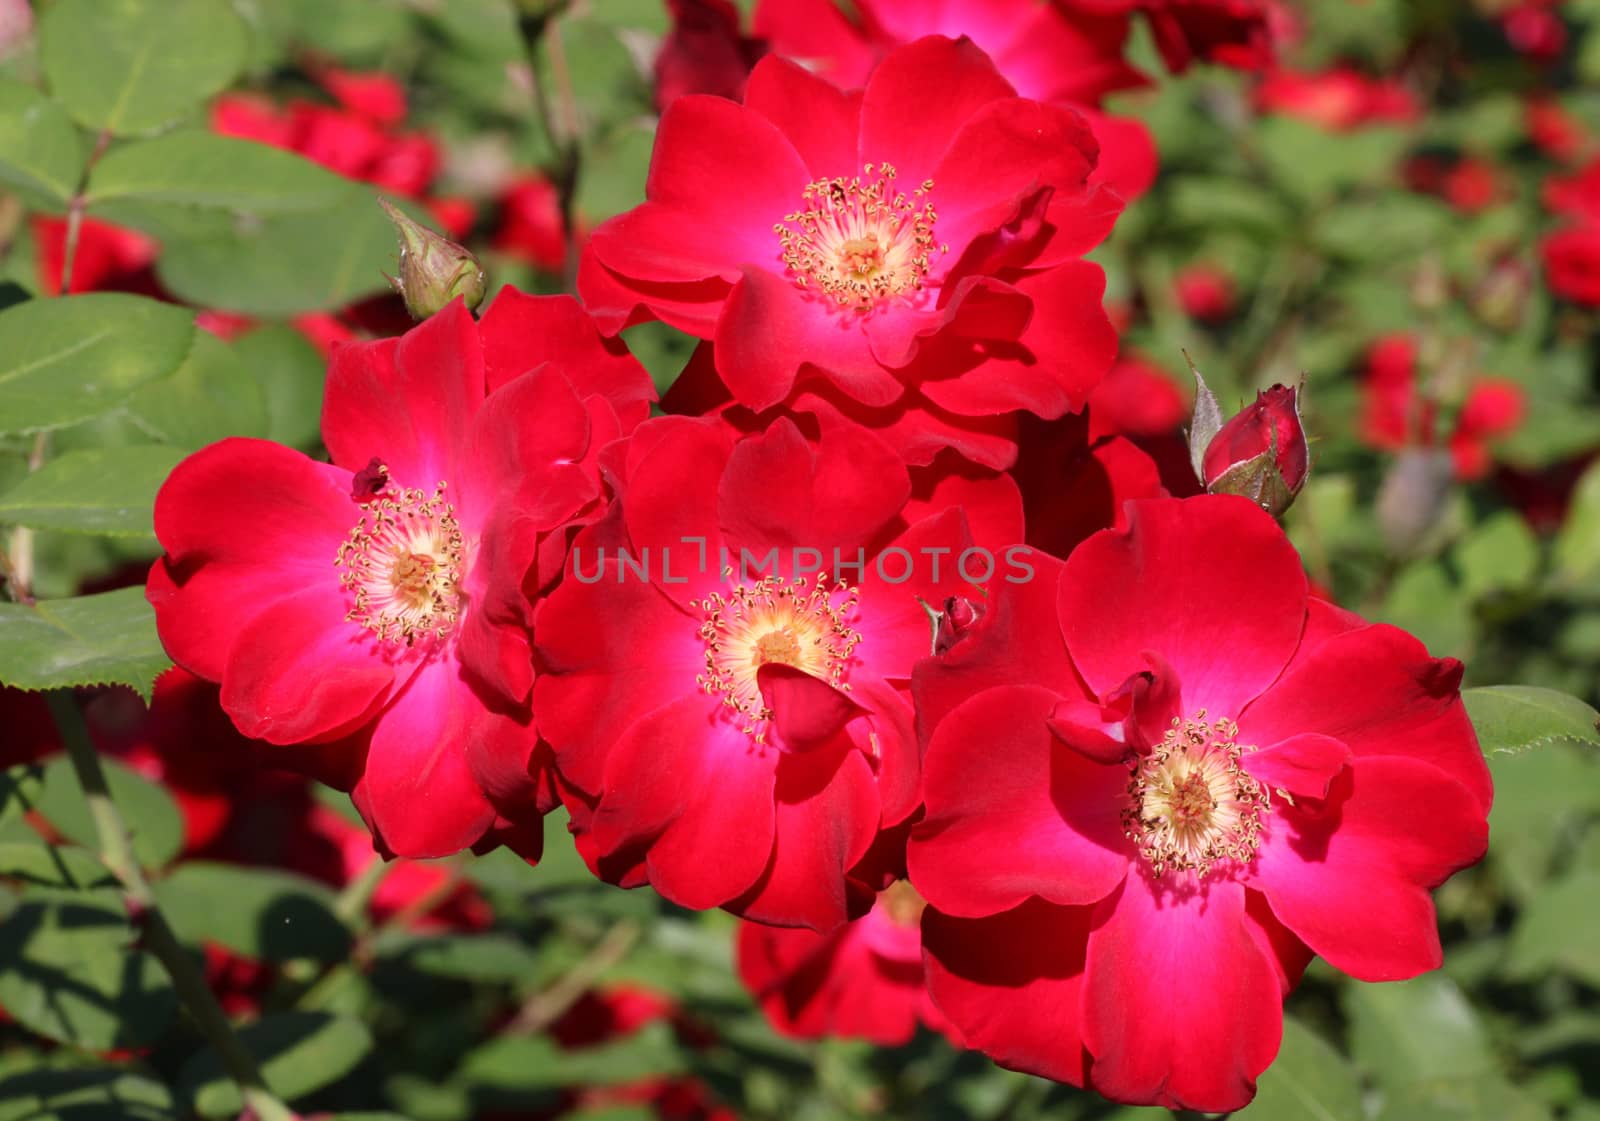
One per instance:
(868, 633)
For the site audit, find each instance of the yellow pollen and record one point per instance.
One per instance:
(402, 562)
(1190, 803)
(903, 903)
(796, 623)
(860, 240)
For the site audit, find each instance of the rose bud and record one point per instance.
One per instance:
(433, 269)
(957, 619)
(1261, 453)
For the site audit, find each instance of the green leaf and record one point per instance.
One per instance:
(299, 1052)
(151, 813)
(105, 639)
(1516, 718)
(213, 395)
(131, 66)
(1390, 226)
(1539, 799)
(271, 915)
(1556, 930)
(1499, 555)
(19, 788)
(535, 1063)
(1308, 1081)
(67, 972)
(286, 264)
(1470, 1097)
(1425, 602)
(41, 153)
(202, 169)
(99, 490)
(63, 361)
(476, 957)
(63, 867)
(1415, 1030)
(84, 1094)
(1577, 551)
(1309, 163)
(290, 373)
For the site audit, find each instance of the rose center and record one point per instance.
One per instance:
(402, 564)
(860, 241)
(774, 621)
(1190, 804)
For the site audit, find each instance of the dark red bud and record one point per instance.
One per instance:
(957, 619)
(1261, 453)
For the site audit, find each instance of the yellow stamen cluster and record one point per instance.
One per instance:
(1190, 803)
(860, 240)
(796, 623)
(402, 562)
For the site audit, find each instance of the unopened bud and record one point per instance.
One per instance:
(1261, 453)
(956, 621)
(1501, 297)
(1413, 497)
(433, 269)
(1430, 285)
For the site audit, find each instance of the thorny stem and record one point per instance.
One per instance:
(19, 554)
(559, 119)
(546, 1006)
(116, 853)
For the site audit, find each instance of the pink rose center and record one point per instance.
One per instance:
(403, 564)
(1190, 803)
(860, 241)
(774, 621)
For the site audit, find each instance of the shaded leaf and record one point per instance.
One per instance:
(64, 867)
(153, 818)
(67, 971)
(299, 1053)
(84, 1094)
(271, 915)
(19, 789)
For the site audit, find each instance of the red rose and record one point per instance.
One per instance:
(376, 605)
(1572, 264)
(1143, 820)
(729, 714)
(861, 981)
(704, 52)
(1205, 292)
(1396, 415)
(1338, 99)
(888, 248)
(1235, 33)
(1048, 52)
